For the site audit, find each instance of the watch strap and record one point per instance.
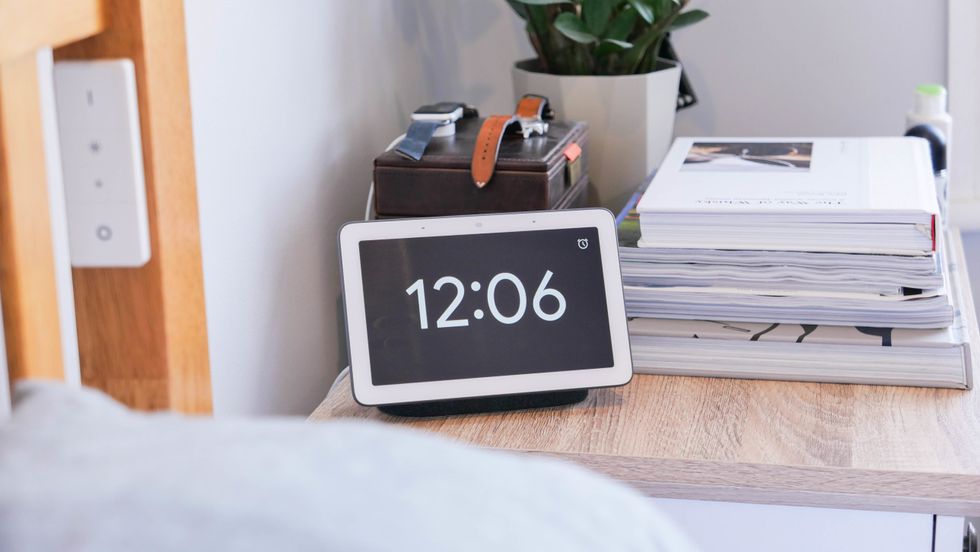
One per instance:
(533, 106)
(417, 138)
(488, 146)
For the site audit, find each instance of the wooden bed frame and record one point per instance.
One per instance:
(142, 333)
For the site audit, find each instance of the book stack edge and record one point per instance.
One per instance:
(725, 273)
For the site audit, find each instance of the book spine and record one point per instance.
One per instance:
(933, 232)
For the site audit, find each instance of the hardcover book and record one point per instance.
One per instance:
(867, 195)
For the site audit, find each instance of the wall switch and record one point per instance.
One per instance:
(102, 162)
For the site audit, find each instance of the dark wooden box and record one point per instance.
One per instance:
(538, 173)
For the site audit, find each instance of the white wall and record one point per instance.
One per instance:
(292, 100)
(828, 68)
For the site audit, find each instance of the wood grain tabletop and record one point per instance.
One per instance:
(810, 444)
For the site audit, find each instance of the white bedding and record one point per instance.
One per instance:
(80, 472)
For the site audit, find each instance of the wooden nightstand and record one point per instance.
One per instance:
(845, 453)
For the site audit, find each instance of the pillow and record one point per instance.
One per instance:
(81, 472)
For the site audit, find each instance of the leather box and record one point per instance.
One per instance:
(575, 197)
(537, 173)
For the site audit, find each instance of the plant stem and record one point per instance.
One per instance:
(539, 49)
(655, 34)
(654, 53)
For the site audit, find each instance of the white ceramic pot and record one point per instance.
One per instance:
(630, 117)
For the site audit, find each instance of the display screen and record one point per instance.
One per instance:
(455, 307)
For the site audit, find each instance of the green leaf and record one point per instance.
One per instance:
(608, 46)
(596, 14)
(620, 44)
(543, 2)
(644, 9)
(573, 28)
(622, 25)
(688, 18)
(663, 9)
(649, 36)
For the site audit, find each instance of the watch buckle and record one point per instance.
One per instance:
(532, 127)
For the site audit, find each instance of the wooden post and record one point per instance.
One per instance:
(142, 332)
(27, 270)
(27, 273)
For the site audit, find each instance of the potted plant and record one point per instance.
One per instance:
(597, 62)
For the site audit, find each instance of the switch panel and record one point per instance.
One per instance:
(102, 162)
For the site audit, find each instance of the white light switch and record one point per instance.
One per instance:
(102, 162)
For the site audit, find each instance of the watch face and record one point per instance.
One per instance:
(441, 108)
(497, 304)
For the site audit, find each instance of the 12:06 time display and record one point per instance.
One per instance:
(446, 320)
(482, 305)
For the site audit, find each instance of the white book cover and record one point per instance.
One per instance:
(858, 180)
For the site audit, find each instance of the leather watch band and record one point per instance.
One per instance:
(416, 139)
(487, 147)
(531, 113)
(532, 106)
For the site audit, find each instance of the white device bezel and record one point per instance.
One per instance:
(451, 116)
(368, 394)
(448, 128)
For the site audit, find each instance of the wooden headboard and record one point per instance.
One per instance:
(142, 332)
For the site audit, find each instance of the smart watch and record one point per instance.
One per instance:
(432, 121)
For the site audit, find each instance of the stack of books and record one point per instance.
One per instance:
(818, 260)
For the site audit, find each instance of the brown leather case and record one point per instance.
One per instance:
(531, 174)
(575, 197)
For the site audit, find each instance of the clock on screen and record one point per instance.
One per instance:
(483, 305)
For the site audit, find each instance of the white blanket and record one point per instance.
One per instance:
(80, 472)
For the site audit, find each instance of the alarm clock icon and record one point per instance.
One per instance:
(583, 243)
